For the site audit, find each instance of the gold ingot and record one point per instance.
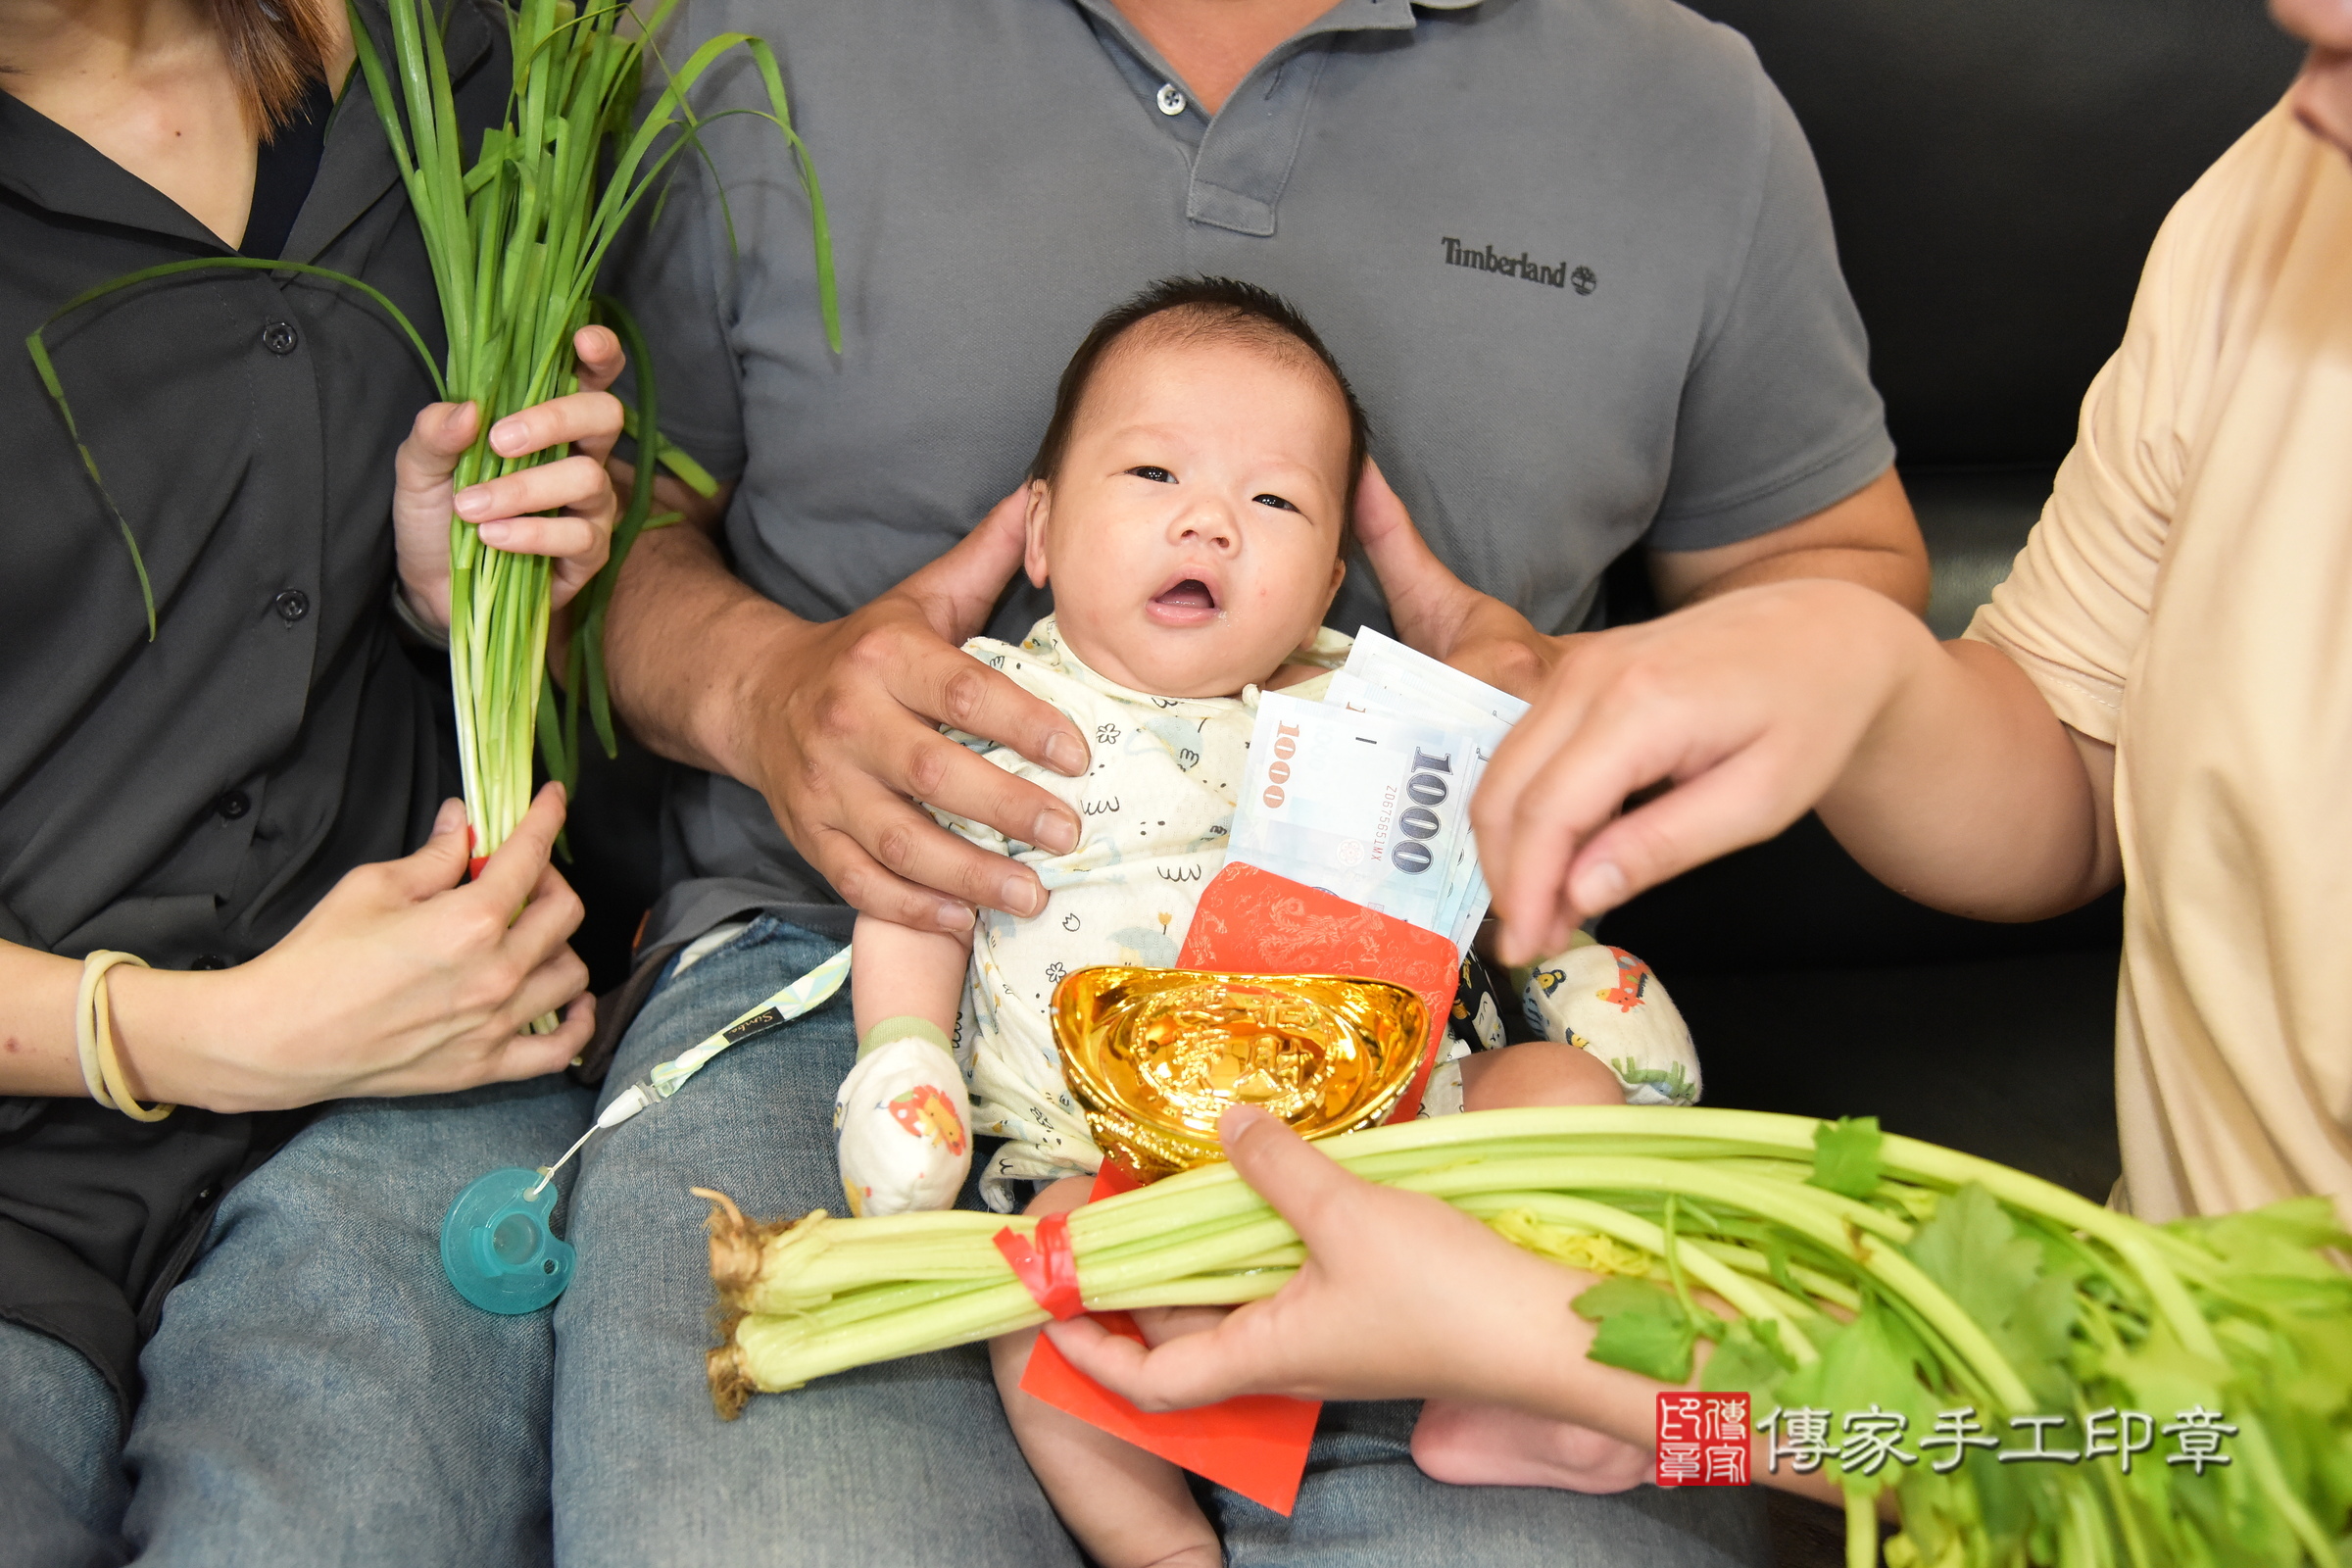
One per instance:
(1156, 1055)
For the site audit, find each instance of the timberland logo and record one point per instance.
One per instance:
(1583, 279)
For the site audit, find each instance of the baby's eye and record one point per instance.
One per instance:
(1156, 475)
(1276, 502)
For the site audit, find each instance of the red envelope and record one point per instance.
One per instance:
(1250, 921)
(1256, 1443)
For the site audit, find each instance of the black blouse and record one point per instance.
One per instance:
(189, 798)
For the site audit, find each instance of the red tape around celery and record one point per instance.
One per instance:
(474, 862)
(1048, 1270)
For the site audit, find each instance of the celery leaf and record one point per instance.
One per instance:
(1845, 1155)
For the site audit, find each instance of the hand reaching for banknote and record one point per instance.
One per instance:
(1438, 613)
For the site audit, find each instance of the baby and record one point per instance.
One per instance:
(1188, 506)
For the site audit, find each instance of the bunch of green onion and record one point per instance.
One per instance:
(515, 239)
(1856, 1269)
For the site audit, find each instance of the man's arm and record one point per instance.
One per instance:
(836, 722)
(1869, 538)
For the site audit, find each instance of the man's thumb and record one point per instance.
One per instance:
(959, 589)
(1426, 600)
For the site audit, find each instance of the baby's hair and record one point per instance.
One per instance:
(1194, 308)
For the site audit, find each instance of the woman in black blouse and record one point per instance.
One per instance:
(240, 801)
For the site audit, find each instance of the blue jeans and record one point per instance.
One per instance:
(316, 1393)
(911, 1461)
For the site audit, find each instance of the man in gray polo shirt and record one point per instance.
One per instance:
(1575, 257)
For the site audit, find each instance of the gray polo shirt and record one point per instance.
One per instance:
(1573, 254)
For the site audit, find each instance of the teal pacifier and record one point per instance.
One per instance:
(498, 1247)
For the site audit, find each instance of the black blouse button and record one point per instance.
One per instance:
(232, 804)
(210, 961)
(291, 605)
(280, 337)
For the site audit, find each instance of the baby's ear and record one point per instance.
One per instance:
(1033, 553)
(1339, 575)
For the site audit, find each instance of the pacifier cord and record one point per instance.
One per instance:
(624, 1106)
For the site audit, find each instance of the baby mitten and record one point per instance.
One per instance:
(1606, 1000)
(901, 1125)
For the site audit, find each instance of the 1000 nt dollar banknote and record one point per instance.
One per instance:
(1371, 808)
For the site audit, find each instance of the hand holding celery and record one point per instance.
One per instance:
(1858, 1270)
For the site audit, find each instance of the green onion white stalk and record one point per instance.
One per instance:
(1831, 1267)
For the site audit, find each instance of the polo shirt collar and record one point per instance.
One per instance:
(1347, 16)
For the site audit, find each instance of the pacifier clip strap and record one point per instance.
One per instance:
(804, 994)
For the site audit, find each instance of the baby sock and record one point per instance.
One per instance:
(902, 1124)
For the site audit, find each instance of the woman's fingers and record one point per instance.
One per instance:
(579, 481)
(550, 986)
(583, 419)
(436, 440)
(509, 874)
(1193, 1370)
(438, 863)
(573, 542)
(601, 360)
(530, 1056)
(544, 928)
(1305, 1187)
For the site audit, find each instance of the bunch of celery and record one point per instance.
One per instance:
(515, 239)
(1857, 1271)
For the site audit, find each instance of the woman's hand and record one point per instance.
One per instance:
(575, 489)
(1751, 706)
(1438, 613)
(1401, 1297)
(404, 980)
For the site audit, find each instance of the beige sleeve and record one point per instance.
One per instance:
(2076, 604)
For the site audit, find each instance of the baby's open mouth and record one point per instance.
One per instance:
(1190, 594)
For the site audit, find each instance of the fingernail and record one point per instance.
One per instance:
(1023, 896)
(473, 501)
(1600, 887)
(1055, 831)
(1066, 754)
(506, 431)
(954, 916)
(498, 533)
(449, 818)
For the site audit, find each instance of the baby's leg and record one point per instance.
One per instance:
(1538, 1072)
(1492, 1445)
(1128, 1508)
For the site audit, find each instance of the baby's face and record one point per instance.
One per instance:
(1193, 534)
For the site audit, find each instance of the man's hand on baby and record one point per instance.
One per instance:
(846, 724)
(1438, 613)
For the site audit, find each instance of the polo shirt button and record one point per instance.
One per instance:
(1171, 101)
(280, 337)
(291, 605)
(210, 961)
(233, 804)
